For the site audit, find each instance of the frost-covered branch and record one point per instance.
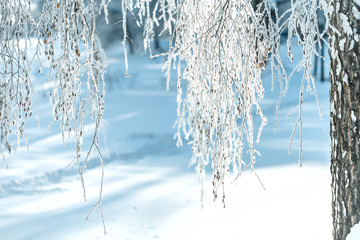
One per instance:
(220, 49)
(303, 24)
(16, 91)
(66, 31)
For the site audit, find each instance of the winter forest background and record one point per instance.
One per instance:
(146, 181)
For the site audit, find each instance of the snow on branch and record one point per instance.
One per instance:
(220, 49)
(16, 91)
(66, 32)
(303, 24)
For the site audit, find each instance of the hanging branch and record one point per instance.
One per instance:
(16, 91)
(66, 30)
(220, 49)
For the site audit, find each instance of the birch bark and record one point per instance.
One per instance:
(345, 115)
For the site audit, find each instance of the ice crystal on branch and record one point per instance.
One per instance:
(15, 84)
(224, 55)
(303, 24)
(66, 32)
(220, 49)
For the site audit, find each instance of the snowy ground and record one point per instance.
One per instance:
(149, 191)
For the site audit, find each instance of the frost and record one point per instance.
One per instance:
(221, 48)
(334, 55)
(342, 43)
(345, 79)
(338, 68)
(346, 25)
(353, 117)
(16, 91)
(339, 86)
(66, 34)
(332, 107)
(356, 13)
(352, 43)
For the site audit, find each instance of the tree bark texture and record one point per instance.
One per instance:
(345, 114)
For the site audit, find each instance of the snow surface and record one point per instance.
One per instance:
(355, 233)
(149, 191)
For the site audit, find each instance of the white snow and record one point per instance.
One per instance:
(149, 193)
(356, 13)
(355, 233)
(352, 43)
(345, 79)
(346, 25)
(331, 7)
(342, 43)
(357, 2)
(339, 87)
(338, 66)
(335, 55)
(332, 107)
(353, 117)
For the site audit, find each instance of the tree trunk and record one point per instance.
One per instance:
(345, 115)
